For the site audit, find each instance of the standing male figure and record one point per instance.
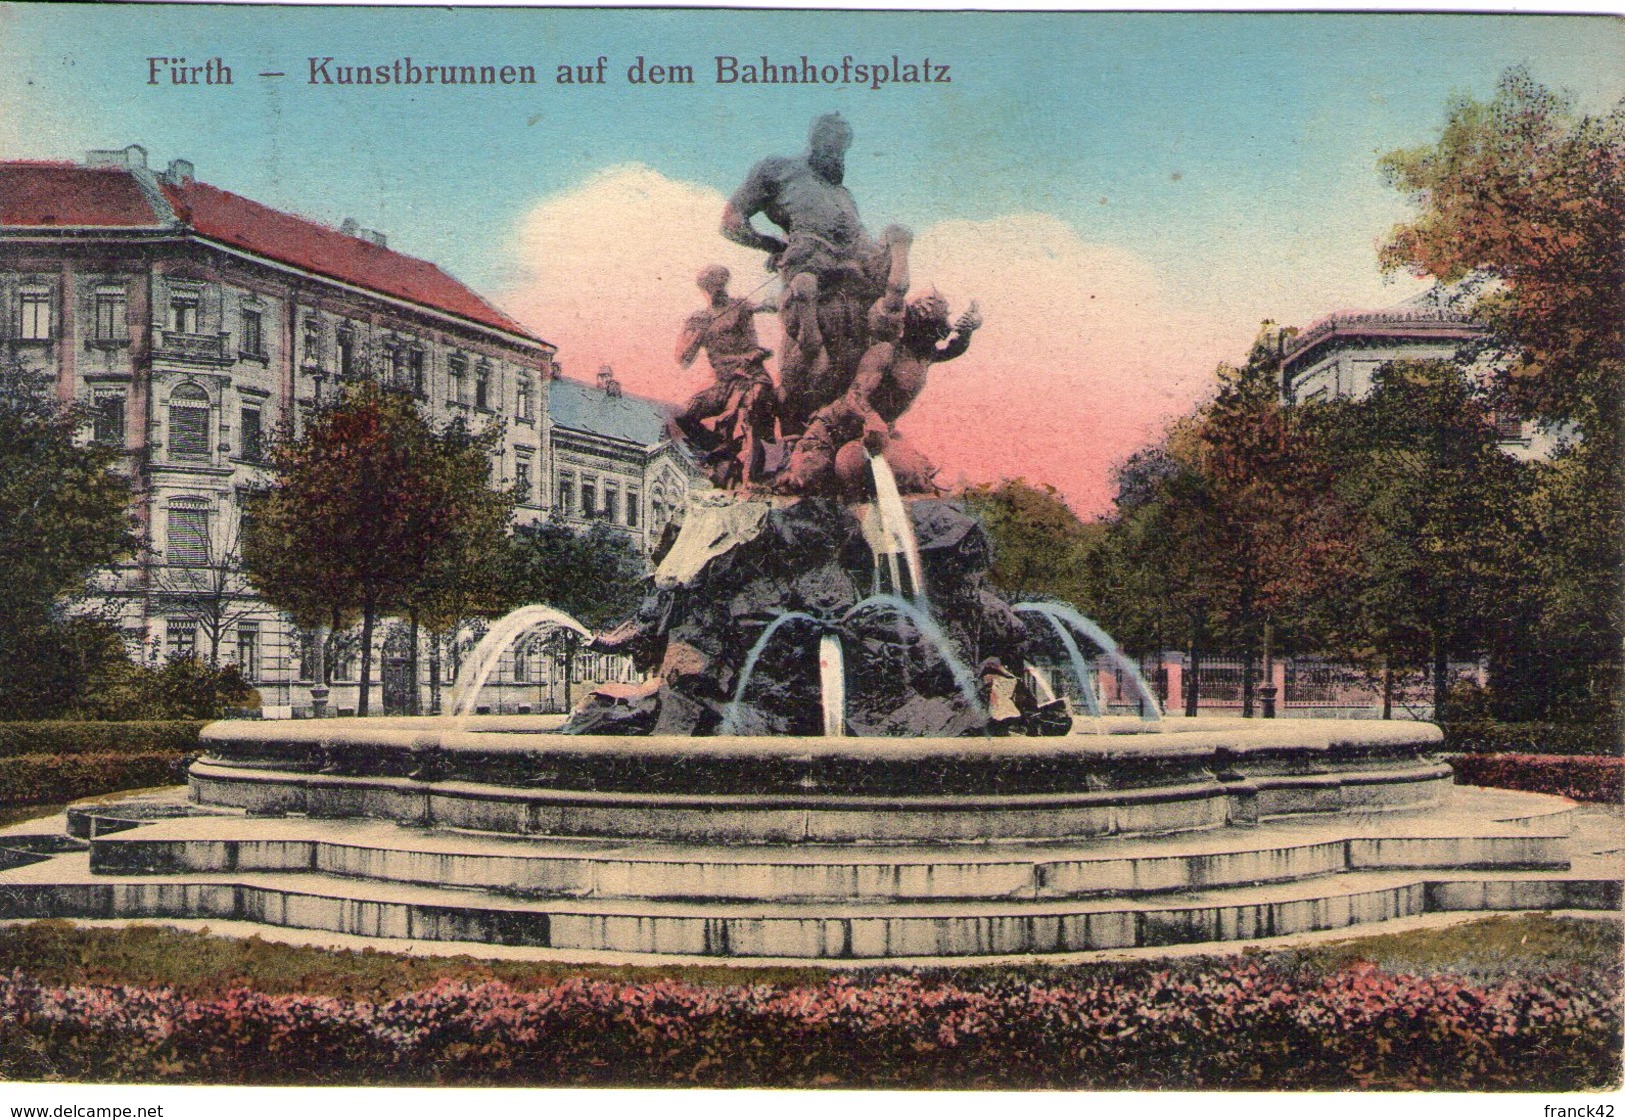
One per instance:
(740, 400)
(823, 237)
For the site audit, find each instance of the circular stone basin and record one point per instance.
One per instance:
(1112, 776)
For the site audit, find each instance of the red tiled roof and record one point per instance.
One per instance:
(245, 224)
(65, 194)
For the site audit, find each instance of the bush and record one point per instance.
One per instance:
(182, 689)
(40, 779)
(1579, 777)
(1231, 1026)
(65, 737)
(62, 760)
(1491, 737)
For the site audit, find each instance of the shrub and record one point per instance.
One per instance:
(64, 737)
(40, 779)
(1490, 737)
(1580, 777)
(1236, 1026)
(62, 760)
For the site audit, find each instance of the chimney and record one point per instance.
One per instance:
(376, 236)
(179, 173)
(351, 227)
(131, 158)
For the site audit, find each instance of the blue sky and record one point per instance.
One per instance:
(1229, 157)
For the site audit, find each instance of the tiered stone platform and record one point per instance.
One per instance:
(810, 848)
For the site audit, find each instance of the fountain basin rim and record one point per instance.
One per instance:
(512, 736)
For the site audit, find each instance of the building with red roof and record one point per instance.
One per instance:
(197, 321)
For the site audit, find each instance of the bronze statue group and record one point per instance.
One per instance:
(856, 349)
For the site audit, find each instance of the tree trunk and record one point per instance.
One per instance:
(367, 617)
(1387, 689)
(434, 674)
(569, 668)
(1440, 681)
(1249, 670)
(414, 705)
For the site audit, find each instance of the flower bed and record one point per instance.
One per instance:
(1580, 777)
(1239, 1027)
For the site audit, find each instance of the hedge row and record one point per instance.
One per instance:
(1238, 1027)
(45, 779)
(67, 737)
(1582, 778)
(1490, 737)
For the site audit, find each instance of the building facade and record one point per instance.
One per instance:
(196, 323)
(1337, 356)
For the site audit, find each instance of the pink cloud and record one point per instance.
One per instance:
(1083, 357)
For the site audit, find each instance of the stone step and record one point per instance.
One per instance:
(67, 887)
(563, 867)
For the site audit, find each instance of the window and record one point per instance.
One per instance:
(414, 372)
(34, 307)
(457, 370)
(346, 342)
(253, 442)
(1508, 427)
(521, 663)
(396, 357)
(108, 419)
(612, 501)
(189, 424)
(313, 343)
(111, 313)
(188, 535)
(521, 479)
(181, 639)
(589, 497)
(183, 307)
(482, 385)
(522, 399)
(248, 650)
(632, 499)
(567, 486)
(253, 343)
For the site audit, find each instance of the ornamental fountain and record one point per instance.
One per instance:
(814, 769)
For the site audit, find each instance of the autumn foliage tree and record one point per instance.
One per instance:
(369, 502)
(1527, 195)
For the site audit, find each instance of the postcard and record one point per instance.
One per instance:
(808, 549)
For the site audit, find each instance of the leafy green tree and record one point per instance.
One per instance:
(596, 576)
(1227, 533)
(1441, 537)
(364, 500)
(64, 516)
(1039, 545)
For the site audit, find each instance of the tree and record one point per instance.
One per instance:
(64, 516)
(1440, 541)
(1226, 533)
(365, 498)
(1529, 195)
(464, 575)
(1039, 544)
(596, 577)
(211, 590)
(1522, 191)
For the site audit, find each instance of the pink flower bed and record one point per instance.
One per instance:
(1598, 778)
(1229, 1027)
